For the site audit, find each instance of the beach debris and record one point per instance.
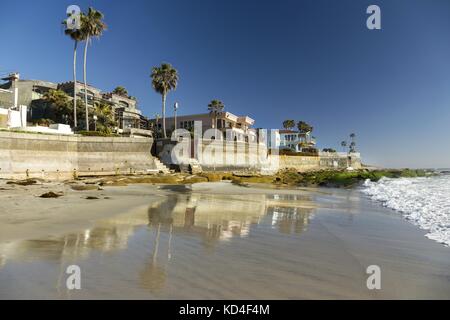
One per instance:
(92, 198)
(245, 174)
(240, 183)
(84, 187)
(25, 182)
(51, 194)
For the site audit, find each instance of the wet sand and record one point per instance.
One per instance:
(212, 241)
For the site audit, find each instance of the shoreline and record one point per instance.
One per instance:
(122, 192)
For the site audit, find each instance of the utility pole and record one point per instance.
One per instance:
(175, 108)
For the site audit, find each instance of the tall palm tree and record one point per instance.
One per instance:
(352, 136)
(214, 107)
(92, 25)
(353, 143)
(164, 79)
(288, 124)
(77, 36)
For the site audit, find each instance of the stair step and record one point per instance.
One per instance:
(161, 166)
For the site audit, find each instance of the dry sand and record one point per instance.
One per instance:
(24, 214)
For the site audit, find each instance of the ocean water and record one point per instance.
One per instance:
(423, 201)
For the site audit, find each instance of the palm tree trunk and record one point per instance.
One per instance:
(75, 84)
(164, 114)
(85, 84)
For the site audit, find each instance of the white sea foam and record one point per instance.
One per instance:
(423, 201)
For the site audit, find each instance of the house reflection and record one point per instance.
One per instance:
(211, 218)
(289, 215)
(290, 220)
(217, 218)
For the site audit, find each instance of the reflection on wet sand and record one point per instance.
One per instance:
(218, 218)
(154, 274)
(221, 242)
(210, 218)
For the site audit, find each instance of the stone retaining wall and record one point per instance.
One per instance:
(25, 155)
(249, 157)
(213, 155)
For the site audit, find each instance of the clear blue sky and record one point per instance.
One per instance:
(273, 60)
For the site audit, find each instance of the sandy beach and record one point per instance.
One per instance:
(211, 241)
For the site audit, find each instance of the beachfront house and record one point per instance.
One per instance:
(295, 140)
(125, 109)
(14, 112)
(233, 127)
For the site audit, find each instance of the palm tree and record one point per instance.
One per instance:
(57, 105)
(304, 127)
(164, 79)
(214, 107)
(92, 25)
(121, 91)
(288, 124)
(343, 145)
(76, 36)
(105, 115)
(353, 143)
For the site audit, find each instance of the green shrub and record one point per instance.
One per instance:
(97, 134)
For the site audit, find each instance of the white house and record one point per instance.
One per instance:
(15, 117)
(295, 140)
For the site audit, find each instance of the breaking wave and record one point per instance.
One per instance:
(423, 201)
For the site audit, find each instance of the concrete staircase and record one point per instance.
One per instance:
(160, 167)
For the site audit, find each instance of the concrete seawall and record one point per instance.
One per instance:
(219, 155)
(215, 155)
(25, 155)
